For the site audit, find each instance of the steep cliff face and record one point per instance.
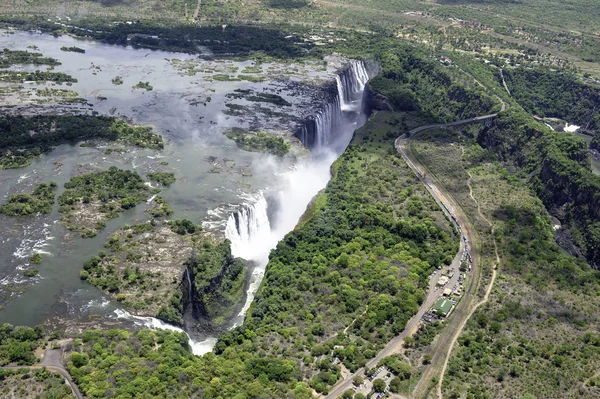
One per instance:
(377, 101)
(558, 168)
(218, 281)
(544, 92)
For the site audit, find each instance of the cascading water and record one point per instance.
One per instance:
(249, 230)
(322, 131)
(326, 134)
(351, 85)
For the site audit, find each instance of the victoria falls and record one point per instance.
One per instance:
(299, 199)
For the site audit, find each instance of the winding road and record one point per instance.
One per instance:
(465, 307)
(52, 361)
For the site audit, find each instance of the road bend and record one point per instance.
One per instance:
(464, 309)
(52, 361)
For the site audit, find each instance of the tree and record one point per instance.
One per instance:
(348, 394)
(395, 385)
(379, 385)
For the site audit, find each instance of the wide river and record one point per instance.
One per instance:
(188, 107)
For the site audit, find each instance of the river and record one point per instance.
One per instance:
(215, 180)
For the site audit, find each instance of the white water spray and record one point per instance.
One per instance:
(325, 130)
(250, 231)
(198, 348)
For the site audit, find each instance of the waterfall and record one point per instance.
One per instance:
(351, 85)
(322, 130)
(249, 230)
(326, 134)
(189, 279)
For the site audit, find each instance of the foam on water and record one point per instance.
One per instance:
(198, 348)
(571, 128)
(31, 243)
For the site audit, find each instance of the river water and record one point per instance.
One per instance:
(214, 177)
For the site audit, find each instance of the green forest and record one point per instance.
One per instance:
(18, 147)
(546, 93)
(558, 169)
(410, 81)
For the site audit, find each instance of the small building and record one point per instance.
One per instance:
(443, 281)
(447, 292)
(442, 307)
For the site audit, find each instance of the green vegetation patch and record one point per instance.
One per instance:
(73, 49)
(160, 208)
(37, 76)
(90, 199)
(17, 344)
(164, 178)
(258, 142)
(29, 384)
(142, 85)
(30, 273)
(24, 138)
(40, 200)
(36, 259)
(18, 57)
(595, 143)
(117, 80)
(218, 279)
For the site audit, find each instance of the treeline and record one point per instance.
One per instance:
(24, 138)
(175, 36)
(412, 82)
(549, 93)
(558, 168)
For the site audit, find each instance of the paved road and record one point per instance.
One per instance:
(451, 209)
(52, 360)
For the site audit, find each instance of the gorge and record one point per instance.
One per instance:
(274, 195)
